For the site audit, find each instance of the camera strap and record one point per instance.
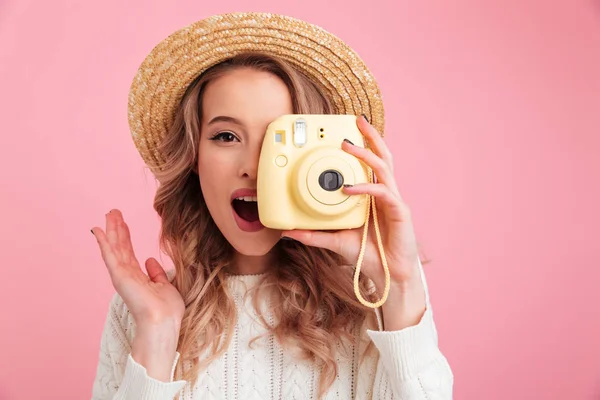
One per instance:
(363, 246)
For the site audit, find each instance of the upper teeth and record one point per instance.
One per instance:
(247, 198)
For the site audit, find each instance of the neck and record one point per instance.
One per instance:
(251, 265)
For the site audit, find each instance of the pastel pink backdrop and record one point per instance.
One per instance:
(493, 112)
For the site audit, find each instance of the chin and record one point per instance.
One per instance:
(254, 247)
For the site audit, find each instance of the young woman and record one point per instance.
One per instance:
(250, 312)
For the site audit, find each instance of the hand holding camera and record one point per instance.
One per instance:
(394, 242)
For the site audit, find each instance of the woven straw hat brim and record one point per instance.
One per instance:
(174, 63)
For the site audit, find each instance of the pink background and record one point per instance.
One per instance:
(493, 111)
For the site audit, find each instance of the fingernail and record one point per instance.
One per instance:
(91, 230)
(348, 141)
(365, 117)
(348, 185)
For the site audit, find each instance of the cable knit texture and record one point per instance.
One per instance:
(405, 364)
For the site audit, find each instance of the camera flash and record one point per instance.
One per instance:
(299, 132)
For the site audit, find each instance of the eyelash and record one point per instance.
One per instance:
(219, 135)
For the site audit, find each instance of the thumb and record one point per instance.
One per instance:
(156, 273)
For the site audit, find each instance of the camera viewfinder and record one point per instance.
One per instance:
(299, 132)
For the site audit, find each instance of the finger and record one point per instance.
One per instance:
(380, 168)
(156, 273)
(124, 235)
(111, 228)
(381, 193)
(376, 142)
(106, 251)
(118, 238)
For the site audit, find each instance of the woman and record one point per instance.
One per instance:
(250, 312)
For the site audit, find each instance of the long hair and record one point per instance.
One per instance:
(315, 302)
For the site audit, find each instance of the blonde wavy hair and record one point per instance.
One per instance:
(315, 303)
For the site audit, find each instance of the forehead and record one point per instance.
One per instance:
(246, 94)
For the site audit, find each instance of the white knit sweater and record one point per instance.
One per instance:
(406, 364)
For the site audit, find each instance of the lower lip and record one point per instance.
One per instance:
(247, 226)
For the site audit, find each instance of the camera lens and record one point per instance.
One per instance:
(331, 180)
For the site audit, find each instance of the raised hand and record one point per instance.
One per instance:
(154, 303)
(151, 298)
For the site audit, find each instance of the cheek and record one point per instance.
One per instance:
(214, 193)
(215, 170)
(209, 177)
(213, 163)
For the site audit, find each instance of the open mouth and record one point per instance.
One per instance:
(246, 208)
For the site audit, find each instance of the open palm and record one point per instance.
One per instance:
(150, 298)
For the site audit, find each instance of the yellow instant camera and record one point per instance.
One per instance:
(302, 170)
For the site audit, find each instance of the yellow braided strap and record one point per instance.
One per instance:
(361, 254)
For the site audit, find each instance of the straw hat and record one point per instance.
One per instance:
(175, 62)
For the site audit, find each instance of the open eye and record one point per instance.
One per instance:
(225, 136)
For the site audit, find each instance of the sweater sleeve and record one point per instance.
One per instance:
(411, 365)
(118, 375)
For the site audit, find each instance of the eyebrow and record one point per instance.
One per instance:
(225, 118)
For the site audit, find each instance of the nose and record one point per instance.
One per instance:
(249, 161)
